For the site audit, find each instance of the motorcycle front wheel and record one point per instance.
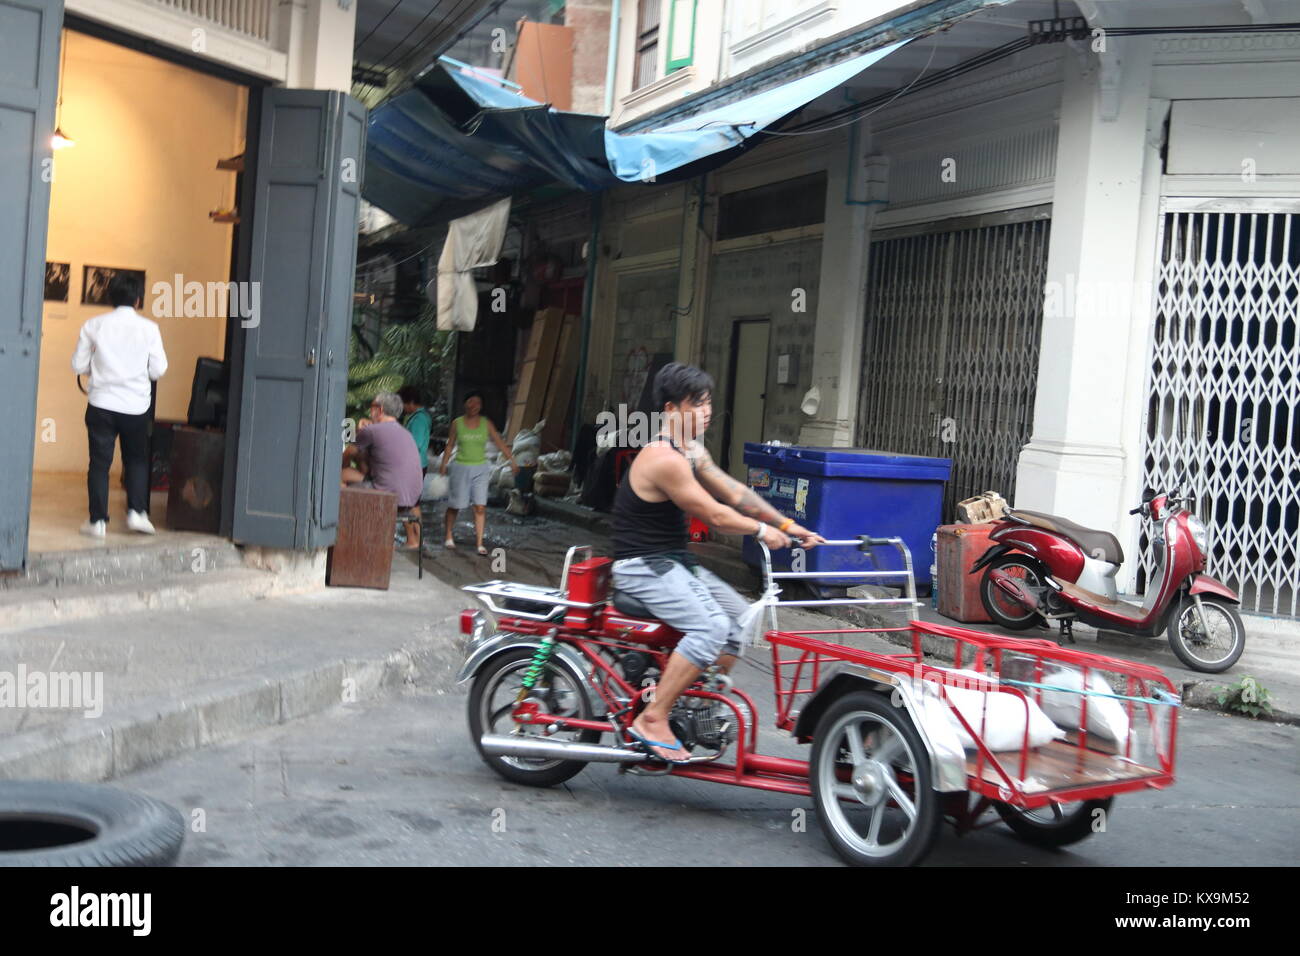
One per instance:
(492, 699)
(1214, 648)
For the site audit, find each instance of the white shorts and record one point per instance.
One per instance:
(469, 484)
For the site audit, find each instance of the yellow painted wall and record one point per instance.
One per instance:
(134, 193)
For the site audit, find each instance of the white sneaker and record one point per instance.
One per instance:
(94, 529)
(139, 521)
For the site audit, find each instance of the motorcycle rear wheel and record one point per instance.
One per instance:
(1000, 608)
(491, 700)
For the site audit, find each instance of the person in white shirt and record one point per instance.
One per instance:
(123, 352)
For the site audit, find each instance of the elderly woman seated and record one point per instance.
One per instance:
(384, 457)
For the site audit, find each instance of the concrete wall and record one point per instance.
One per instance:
(589, 20)
(134, 193)
(643, 327)
(759, 282)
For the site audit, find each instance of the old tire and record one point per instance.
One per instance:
(490, 702)
(886, 742)
(1053, 827)
(46, 823)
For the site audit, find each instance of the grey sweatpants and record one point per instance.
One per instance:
(700, 605)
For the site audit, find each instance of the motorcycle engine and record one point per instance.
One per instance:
(699, 722)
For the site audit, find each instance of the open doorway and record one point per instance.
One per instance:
(149, 185)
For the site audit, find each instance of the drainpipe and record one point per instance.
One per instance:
(611, 59)
(588, 296)
(849, 176)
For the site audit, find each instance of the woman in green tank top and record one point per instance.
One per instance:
(470, 471)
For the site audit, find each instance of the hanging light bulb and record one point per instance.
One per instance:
(60, 139)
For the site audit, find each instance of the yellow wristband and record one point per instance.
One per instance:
(785, 524)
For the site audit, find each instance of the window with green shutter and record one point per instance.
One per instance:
(681, 34)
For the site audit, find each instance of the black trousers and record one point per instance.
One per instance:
(104, 428)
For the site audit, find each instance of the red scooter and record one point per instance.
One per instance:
(1047, 568)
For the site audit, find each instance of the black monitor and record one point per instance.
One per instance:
(209, 396)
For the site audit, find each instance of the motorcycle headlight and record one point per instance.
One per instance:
(1200, 535)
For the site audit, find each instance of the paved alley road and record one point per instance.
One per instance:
(398, 783)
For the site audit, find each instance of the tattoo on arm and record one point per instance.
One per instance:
(732, 492)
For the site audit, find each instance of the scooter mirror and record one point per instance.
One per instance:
(1148, 496)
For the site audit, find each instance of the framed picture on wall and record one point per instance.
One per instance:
(57, 275)
(95, 279)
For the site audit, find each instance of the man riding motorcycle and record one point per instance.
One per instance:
(671, 477)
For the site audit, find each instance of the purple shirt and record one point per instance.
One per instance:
(394, 461)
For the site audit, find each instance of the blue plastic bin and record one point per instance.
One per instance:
(847, 492)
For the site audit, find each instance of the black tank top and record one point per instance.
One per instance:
(643, 527)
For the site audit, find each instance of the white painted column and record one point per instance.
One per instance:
(321, 34)
(1075, 463)
(837, 339)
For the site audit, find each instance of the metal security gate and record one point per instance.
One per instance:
(953, 321)
(1224, 392)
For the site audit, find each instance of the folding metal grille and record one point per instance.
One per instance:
(950, 366)
(1224, 393)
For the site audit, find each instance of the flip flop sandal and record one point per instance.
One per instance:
(482, 550)
(675, 745)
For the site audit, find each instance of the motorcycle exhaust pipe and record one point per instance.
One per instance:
(1012, 589)
(501, 745)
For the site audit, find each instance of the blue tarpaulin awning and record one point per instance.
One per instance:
(458, 139)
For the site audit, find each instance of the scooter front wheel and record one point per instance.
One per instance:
(1002, 609)
(1211, 649)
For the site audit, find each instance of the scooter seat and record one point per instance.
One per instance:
(625, 603)
(1098, 544)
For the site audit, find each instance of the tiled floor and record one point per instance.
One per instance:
(59, 508)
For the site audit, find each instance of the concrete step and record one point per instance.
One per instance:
(157, 729)
(41, 606)
(169, 556)
(172, 680)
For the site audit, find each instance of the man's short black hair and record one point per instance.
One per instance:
(472, 394)
(124, 289)
(409, 394)
(678, 381)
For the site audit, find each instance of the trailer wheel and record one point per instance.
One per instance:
(871, 815)
(1055, 825)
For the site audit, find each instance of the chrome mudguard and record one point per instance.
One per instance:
(483, 648)
(947, 769)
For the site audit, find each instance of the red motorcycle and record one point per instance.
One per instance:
(1047, 568)
(557, 676)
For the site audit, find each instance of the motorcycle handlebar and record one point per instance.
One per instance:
(1136, 511)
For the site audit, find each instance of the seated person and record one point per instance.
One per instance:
(386, 457)
(671, 477)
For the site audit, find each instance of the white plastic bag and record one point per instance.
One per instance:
(1106, 716)
(998, 718)
(436, 487)
(556, 461)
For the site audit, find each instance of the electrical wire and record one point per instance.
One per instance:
(934, 46)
